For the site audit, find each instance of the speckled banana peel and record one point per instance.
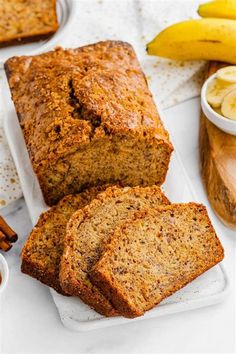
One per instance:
(219, 9)
(207, 38)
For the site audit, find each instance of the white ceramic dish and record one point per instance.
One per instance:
(208, 289)
(225, 124)
(4, 274)
(66, 10)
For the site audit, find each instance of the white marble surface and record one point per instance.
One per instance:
(30, 322)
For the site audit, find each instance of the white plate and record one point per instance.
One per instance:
(66, 10)
(208, 289)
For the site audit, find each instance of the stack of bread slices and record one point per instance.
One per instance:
(121, 250)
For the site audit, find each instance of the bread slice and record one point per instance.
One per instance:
(155, 254)
(23, 21)
(87, 232)
(42, 252)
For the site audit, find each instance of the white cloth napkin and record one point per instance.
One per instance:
(137, 22)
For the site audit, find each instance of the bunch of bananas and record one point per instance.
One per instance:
(211, 38)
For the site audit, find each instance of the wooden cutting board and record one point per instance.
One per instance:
(218, 162)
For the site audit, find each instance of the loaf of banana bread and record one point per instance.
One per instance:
(24, 21)
(88, 118)
(154, 254)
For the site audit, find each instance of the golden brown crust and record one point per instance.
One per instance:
(42, 274)
(91, 106)
(29, 39)
(202, 253)
(84, 239)
(26, 21)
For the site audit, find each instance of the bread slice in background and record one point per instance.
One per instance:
(23, 21)
(89, 230)
(42, 252)
(155, 254)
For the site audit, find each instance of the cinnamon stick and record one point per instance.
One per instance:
(5, 245)
(2, 236)
(7, 230)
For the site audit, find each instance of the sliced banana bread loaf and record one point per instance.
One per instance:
(87, 232)
(88, 118)
(155, 254)
(42, 252)
(24, 21)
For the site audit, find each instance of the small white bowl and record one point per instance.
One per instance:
(225, 124)
(4, 270)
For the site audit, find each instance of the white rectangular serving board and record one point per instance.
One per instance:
(210, 288)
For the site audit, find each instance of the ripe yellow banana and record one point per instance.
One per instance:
(208, 38)
(219, 8)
